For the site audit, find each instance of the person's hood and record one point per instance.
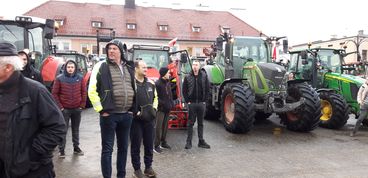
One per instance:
(120, 45)
(29, 62)
(66, 72)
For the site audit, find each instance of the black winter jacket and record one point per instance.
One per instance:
(34, 128)
(145, 94)
(165, 101)
(202, 84)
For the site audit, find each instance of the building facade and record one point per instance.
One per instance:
(79, 24)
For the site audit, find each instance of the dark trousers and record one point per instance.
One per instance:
(161, 127)
(362, 115)
(141, 130)
(74, 115)
(118, 124)
(196, 112)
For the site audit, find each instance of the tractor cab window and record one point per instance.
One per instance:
(245, 49)
(153, 59)
(330, 60)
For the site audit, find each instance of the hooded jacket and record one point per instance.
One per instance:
(29, 71)
(69, 90)
(100, 91)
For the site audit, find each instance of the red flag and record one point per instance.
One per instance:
(274, 54)
(172, 42)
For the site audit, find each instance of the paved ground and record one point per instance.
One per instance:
(259, 153)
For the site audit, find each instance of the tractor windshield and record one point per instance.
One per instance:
(330, 60)
(16, 35)
(153, 58)
(250, 48)
(25, 37)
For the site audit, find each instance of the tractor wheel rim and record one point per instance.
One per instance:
(326, 110)
(229, 108)
(292, 116)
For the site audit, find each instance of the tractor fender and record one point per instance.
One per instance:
(229, 80)
(326, 90)
(290, 82)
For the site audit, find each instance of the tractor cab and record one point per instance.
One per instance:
(30, 33)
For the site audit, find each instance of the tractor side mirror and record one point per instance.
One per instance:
(49, 30)
(285, 45)
(219, 43)
(183, 58)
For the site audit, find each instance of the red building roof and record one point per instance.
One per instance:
(77, 21)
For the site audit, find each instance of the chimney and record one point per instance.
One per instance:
(361, 32)
(130, 4)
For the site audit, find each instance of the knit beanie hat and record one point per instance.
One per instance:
(7, 49)
(163, 71)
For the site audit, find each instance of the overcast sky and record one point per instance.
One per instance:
(301, 20)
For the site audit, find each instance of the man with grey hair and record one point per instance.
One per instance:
(31, 124)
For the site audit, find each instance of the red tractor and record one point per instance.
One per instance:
(177, 62)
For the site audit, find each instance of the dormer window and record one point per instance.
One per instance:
(196, 29)
(225, 29)
(131, 26)
(59, 22)
(96, 24)
(163, 28)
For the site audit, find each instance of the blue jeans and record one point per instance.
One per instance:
(119, 124)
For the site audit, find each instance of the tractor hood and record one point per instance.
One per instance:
(272, 72)
(346, 78)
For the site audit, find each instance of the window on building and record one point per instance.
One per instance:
(197, 51)
(131, 26)
(84, 48)
(59, 22)
(94, 49)
(163, 28)
(196, 29)
(226, 29)
(66, 46)
(330, 45)
(103, 50)
(364, 55)
(96, 24)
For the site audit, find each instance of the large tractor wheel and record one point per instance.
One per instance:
(306, 117)
(237, 108)
(335, 110)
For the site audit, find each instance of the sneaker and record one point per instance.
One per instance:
(203, 144)
(165, 145)
(149, 172)
(188, 145)
(62, 154)
(138, 174)
(78, 151)
(157, 150)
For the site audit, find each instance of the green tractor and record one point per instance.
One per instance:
(246, 85)
(324, 68)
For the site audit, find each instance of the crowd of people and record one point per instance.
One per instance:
(130, 106)
(34, 121)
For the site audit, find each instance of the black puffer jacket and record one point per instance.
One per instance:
(196, 89)
(165, 101)
(34, 128)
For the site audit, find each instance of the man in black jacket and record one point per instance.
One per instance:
(165, 103)
(28, 70)
(144, 122)
(195, 92)
(31, 124)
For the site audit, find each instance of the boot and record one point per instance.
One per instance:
(188, 145)
(203, 144)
